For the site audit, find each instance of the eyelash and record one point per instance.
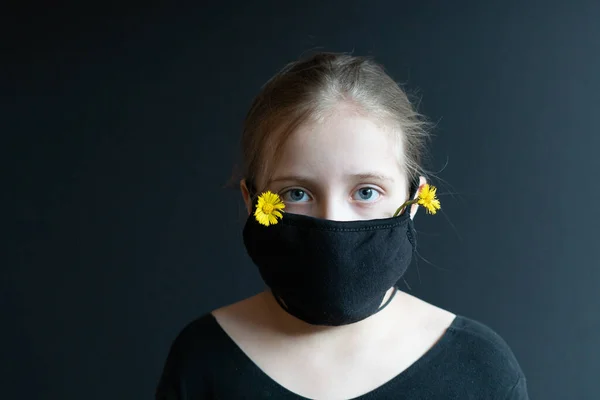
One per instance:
(286, 191)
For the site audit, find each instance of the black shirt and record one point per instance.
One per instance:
(470, 361)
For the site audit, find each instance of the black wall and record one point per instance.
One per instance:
(119, 133)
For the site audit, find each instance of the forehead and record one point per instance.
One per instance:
(344, 142)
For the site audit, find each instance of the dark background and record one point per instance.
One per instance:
(120, 132)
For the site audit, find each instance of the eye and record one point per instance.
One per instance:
(294, 196)
(366, 194)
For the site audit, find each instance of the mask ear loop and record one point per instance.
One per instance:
(388, 300)
(279, 301)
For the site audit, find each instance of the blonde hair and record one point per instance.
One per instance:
(308, 89)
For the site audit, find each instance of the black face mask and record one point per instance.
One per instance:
(331, 272)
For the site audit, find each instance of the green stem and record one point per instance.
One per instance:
(406, 203)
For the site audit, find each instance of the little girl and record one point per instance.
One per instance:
(332, 181)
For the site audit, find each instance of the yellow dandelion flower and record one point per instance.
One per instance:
(427, 198)
(269, 208)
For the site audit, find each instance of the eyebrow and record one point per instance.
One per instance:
(369, 176)
(372, 176)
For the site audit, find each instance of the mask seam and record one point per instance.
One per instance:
(369, 228)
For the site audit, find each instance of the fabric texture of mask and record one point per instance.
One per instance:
(328, 272)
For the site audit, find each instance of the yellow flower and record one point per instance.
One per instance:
(269, 208)
(427, 198)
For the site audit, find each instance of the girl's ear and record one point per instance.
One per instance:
(415, 207)
(246, 195)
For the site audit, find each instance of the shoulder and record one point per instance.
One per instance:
(474, 360)
(482, 353)
(483, 343)
(203, 351)
(197, 337)
(471, 340)
(191, 354)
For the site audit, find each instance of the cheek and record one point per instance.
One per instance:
(395, 200)
(300, 208)
(384, 208)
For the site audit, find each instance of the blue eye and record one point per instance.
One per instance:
(294, 195)
(366, 194)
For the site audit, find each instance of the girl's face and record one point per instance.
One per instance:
(344, 168)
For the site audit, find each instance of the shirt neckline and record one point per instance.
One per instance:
(401, 377)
